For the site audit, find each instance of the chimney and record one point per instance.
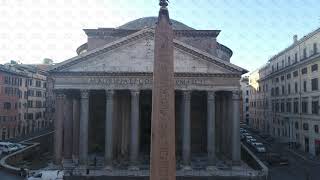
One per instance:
(295, 38)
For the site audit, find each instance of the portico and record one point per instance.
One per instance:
(103, 103)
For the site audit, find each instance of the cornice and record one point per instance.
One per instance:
(140, 74)
(310, 59)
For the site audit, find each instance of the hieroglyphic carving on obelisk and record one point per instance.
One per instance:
(163, 161)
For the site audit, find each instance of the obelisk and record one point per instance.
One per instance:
(162, 158)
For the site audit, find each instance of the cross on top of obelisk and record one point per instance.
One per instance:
(163, 3)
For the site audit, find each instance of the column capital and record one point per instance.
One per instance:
(186, 95)
(109, 94)
(211, 95)
(135, 92)
(236, 95)
(84, 93)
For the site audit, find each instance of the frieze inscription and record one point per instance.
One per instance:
(142, 81)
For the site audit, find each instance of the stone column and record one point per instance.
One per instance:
(76, 126)
(186, 138)
(67, 129)
(135, 123)
(58, 126)
(109, 128)
(211, 120)
(84, 120)
(236, 127)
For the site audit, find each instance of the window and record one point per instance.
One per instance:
(247, 92)
(304, 71)
(30, 104)
(314, 67)
(277, 91)
(38, 104)
(277, 79)
(296, 87)
(296, 106)
(305, 86)
(282, 78)
(289, 107)
(314, 84)
(247, 100)
(304, 53)
(277, 106)
(282, 107)
(38, 83)
(315, 107)
(38, 93)
(289, 76)
(295, 73)
(316, 128)
(315, 50)
(289, 60)
(7, 105)
(304, 106)
(282, 89)
(296, 125)
(295, 57)
(305, 126)
(30, 116)
(277, 66)
(289, 89)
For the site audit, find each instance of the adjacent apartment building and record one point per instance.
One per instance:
(23, 100)
(244, 98)
(284, 94)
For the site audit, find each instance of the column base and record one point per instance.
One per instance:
(211, 168)
(133, 168)
(108, 168)
(186, 168)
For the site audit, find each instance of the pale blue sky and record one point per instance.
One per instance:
(254, 29)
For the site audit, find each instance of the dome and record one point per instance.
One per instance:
(151, 22)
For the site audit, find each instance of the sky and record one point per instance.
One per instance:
(255, 30)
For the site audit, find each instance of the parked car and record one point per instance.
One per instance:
(7, 147)
(249, 138)
(246, 134)
(277, 159)
(19, 146)
(252, 141)
(259, 147)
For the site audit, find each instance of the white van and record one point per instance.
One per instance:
(7, 147)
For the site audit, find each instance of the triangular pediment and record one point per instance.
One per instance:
(135, 54)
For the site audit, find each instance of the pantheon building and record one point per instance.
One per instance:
(103, 98)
